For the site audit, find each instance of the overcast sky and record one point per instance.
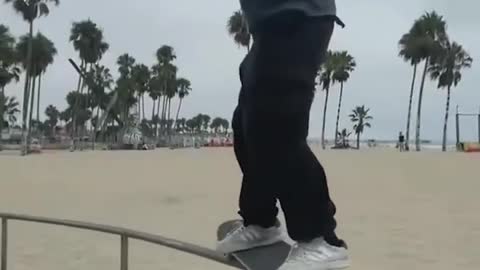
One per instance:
(208, 57)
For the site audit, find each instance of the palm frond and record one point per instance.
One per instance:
(43, 9)
(237, 27)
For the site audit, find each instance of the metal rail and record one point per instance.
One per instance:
(124, 233)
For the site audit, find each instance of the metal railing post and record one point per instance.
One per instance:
(123, 253)
(3, 247)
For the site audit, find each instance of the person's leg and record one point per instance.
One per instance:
(257, 202)
(280, 90)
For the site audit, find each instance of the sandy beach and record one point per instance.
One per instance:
(396, 210)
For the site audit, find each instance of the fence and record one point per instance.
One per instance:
(125, 235)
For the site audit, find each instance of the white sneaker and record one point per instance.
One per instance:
(316, 255)
(248, 237)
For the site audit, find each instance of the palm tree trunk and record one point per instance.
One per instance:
(2, 101)
(169, 121)
(77, 100)
(324, 117)
(2, 94)
(178, 113)
(410, 101)
(160, 108)
(153, 109)
(26, 92)
(80, 77)
(164, 112)
(38, 96)
(419, 110)
(139, 106)
(338, 111)
(447, 108)
(94, 128)
(157, 113)
(143, 106)
(169, 125)
(358, 141)
(89, 93)
(158, 117)
(98, 116)
(32, 101)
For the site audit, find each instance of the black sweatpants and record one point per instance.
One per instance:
(270, 127)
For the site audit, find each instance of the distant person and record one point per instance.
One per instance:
(401, 142)
(290, 41)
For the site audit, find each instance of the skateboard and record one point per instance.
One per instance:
(261, 258)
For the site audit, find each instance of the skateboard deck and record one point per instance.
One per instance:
(261, 258)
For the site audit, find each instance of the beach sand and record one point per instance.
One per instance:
(396, 210)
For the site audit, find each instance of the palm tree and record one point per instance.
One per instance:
(43, 52)
(219, 124)
(433, 30)
(343, 137)
(237, 27)
(43, 56)
(53, 116)
(9, 72)
(30, 11)
(98, 80)
(88, 41)
(183, 91)
(8, 69)
(125, 64)
(360, 117)
(170, 92)
(165, 54)
(10, 111)
(181, 125)
(216, 124)
(153, 90)
(167, 75)
(125, 85)
(7, 42)
(141, 76)
(79, 100)
(190, 125)
(344, 65)
(325, 76)
(205, 119)
(411, 51)
(225, 125)
(447, 69)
